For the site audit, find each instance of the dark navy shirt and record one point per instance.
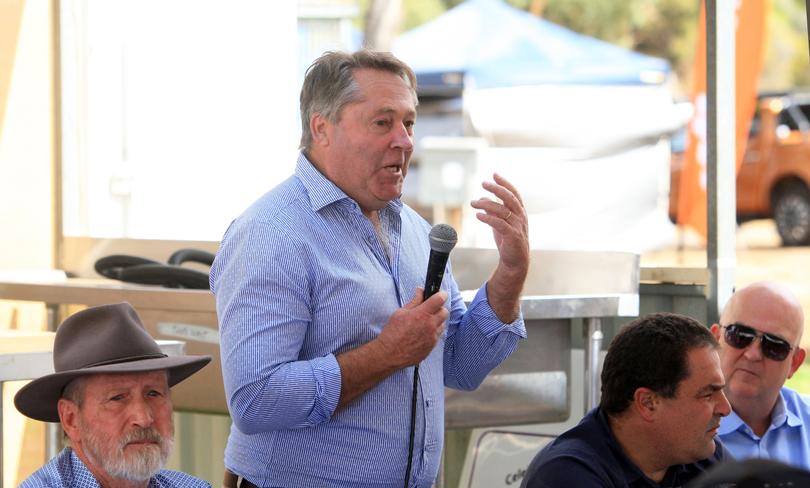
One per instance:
(588, 456)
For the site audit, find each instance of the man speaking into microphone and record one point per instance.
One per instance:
(319, 292)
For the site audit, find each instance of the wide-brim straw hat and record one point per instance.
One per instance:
(105, 339)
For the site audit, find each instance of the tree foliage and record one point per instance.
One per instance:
(787, 62)
(663, 28)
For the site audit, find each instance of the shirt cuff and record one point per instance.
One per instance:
(486, 320)
(326, 373)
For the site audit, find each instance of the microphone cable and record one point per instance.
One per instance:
(413, 425)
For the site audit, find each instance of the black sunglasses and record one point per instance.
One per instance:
(741, 336)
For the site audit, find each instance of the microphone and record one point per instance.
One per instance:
(442, 240)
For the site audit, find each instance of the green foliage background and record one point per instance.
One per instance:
(663, 28)
(800, 380)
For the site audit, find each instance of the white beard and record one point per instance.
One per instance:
(111, 457)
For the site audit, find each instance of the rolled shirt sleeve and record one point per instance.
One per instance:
(262, 303)
(477, 341)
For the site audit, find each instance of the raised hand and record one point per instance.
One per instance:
(510, 227)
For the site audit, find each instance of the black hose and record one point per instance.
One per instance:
(195, 255)
(134, 269)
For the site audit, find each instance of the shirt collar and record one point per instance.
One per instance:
(781, 414)
(322, 192)
(81, 475)
(730, 423)
(631, 471)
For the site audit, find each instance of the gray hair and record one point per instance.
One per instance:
(329, 85)
(74, 391)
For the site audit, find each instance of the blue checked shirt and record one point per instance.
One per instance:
(67, 470)
(302, 276)
(787, 438)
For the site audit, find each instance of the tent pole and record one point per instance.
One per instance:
(721, 153)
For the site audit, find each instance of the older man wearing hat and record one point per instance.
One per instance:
(110, 392)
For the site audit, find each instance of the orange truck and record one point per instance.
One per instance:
(774, 179)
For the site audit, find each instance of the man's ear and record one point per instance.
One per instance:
(716, 331)
(319, 128)
(646, 403)
(69, 418)
(797, 361)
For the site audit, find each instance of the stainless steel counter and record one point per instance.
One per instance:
(98, 291)
(531, 386)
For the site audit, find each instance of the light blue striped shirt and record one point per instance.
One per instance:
(787, 438)
(68, 471)
(302, 276)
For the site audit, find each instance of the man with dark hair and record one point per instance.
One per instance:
(321, 316)
(662, 400)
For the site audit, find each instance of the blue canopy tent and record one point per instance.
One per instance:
(560, 112)
(487, 44)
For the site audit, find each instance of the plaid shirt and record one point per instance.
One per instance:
(68, 470)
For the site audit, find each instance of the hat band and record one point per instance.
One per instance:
(128, 359)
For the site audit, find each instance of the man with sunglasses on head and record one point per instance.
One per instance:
(759, 333)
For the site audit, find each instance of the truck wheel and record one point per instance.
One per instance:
(791, 211)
